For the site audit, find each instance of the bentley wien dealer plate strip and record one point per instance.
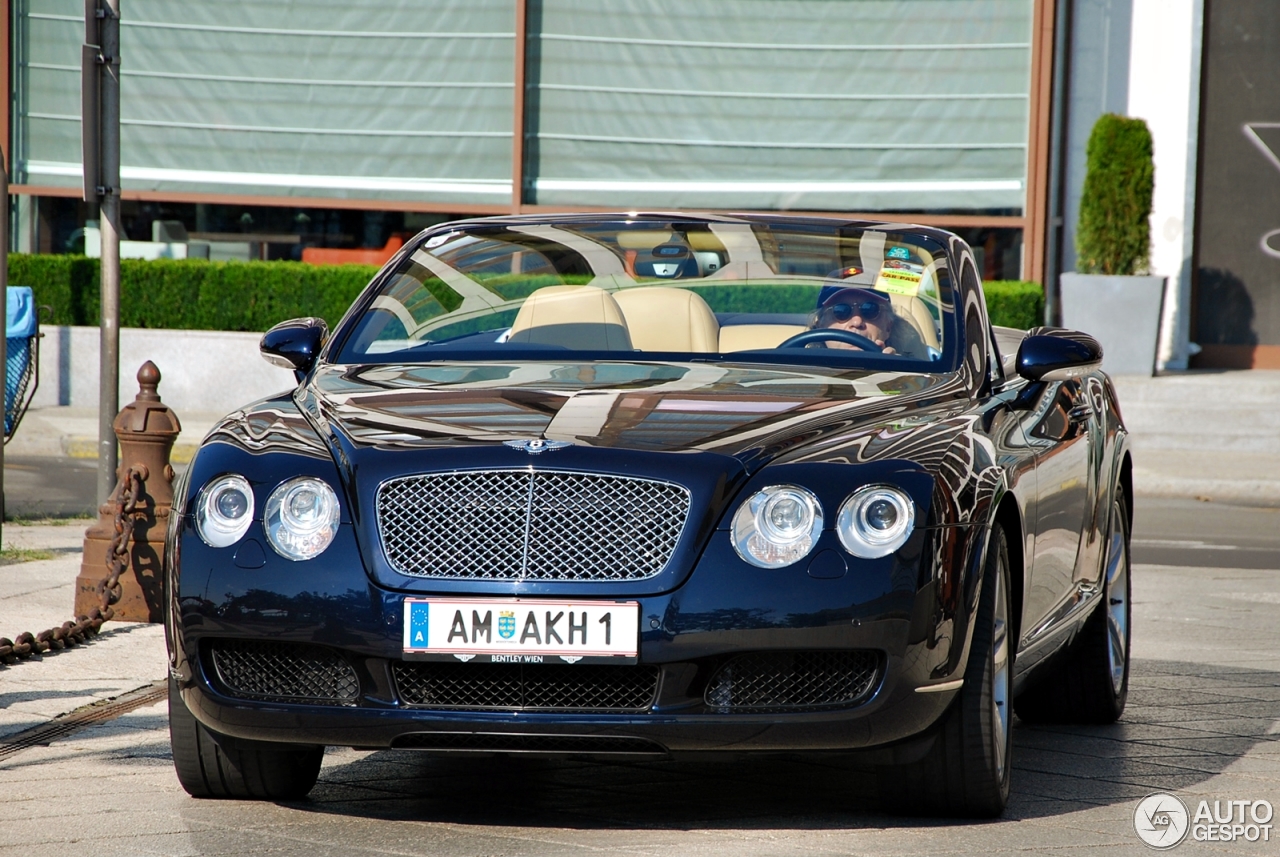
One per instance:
(512, 630)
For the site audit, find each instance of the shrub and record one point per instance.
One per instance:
(1114, 233)
(1014, 303)
(68, 285)
(191, 294)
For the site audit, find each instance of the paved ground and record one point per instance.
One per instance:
(1169, 531)
(49, 487)
(38, 595)
(1208, 433)
(1203, 720)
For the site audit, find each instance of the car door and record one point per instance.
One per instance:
(1062, 429)
(1092, 402)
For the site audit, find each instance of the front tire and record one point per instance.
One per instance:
(210, 765)
(1091, 682)
(966, 772)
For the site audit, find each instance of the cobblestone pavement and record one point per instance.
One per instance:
(1202, 722)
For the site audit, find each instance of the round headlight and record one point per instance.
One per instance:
(777, 526)
(224, 510)
(875, 521)
(301, 517)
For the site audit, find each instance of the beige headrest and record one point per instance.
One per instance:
(643, 239)
(665, 319)
(582, 317)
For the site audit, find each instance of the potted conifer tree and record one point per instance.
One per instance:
(1112, 295)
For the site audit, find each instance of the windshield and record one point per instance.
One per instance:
(791, 292)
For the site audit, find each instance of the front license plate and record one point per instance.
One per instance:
(513, 630)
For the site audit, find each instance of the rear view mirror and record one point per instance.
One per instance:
(295, 344)
(1054, 354)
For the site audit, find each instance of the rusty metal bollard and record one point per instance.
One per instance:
(146, 429)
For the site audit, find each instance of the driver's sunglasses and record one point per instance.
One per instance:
(867, 309)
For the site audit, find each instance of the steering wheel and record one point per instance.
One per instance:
(831, 334)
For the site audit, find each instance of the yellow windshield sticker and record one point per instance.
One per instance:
(898, 281)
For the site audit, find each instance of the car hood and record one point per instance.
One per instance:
(750, 412)
(709, 428)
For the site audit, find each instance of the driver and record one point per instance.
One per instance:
(865, 312)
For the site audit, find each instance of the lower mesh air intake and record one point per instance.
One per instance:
(789, 681)
(528, 687)
(284, 672)
(511, 743)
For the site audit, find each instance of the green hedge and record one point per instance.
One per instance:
(194, 294)
(191, 294)
(66, 284)
(1015, 303)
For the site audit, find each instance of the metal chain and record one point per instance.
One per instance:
(84, 627)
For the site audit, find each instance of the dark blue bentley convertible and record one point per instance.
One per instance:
(640, 485)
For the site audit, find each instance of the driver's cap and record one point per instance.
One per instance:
(832, 295)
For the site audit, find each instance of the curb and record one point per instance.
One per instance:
(1234, 492)
(87, 448)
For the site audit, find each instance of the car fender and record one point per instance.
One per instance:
(991, 489)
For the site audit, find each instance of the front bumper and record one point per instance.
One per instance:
(679, 718)
(898, 608)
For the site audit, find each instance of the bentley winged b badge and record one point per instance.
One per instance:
(537, 445)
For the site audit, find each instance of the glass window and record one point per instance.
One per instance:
(381, 99)
(874, 105)
(780, 291)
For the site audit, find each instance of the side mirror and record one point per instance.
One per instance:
(295, 344)
(1054, 354)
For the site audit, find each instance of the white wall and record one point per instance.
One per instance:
(1098, 84)
(1164, 89)
(201, 371)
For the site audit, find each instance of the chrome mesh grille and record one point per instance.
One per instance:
(781, 681)
(284, 672)
(530, 525)
(527, 687)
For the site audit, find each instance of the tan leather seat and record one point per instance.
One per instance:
(747, 337)
(913, 331)
(581, 317)
(666, 319)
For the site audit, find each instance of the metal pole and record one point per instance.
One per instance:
(1057, 165)
(4, 288)
(519, 123)
(109, 342)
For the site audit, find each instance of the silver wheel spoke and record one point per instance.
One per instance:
(1115, 553)
(1117, 645)
(1116, 592)
(1000, 678)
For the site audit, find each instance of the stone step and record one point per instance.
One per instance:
(1190, 441)
(1155, 419)
(1176, 424)
(1236, 413)
(1260, 388)
(1246, 476)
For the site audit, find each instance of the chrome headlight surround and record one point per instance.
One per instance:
(777, 526)
(301, 517)
(875, 521)
(224, 510)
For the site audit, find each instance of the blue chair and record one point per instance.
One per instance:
(22, 343)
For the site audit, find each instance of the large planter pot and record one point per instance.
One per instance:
(1122, 313)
